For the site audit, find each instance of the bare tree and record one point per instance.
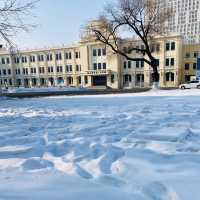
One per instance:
(143, 19)
(13, 15)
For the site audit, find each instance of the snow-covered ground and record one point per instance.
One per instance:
(42, 89)
(133, 147)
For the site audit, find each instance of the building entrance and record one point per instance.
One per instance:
(99, 81)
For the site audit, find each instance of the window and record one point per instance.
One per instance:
(194, 66)
(25, 71)
(40, 58)
(70, 80)
(50, 69)
(99, 52)
(9, 71)
(104, 51)
(142, 63)
(10, 81)
(173, 46)
(79, 80)
(32, 58)
(58, 56)
(16, 60)
(170, 46)
(172, 61)
(8, 60)
(78, 68)
(94, 52)
(169, 76)
(127, 78)
(187, 66)
(140, 78)
(24, 59)
(17, 71)
(129, 64)
(3, 61)
(86, 79)
(112, 78)
(4, 72)
(33, 70)
(77, 55)
(167, 62)
(125, 64)
(59, 69)
(99, 65)
(68, 55)
(49, 57)
(41, 70)
(196, 54)
(187, 55)
(167, 46)
(137, 64)
(69, 68)
(95, 66)
(104, 65)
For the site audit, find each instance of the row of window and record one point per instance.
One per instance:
(5, 72)
(40, 58)
(6, 82)
(33, 70)
(193, 65)
(129, 64)
(192, 55)
(5, 61)
(169, 76)
(169, 46)
(99, 52)
(70, 69)
(99, 66)
(128, 78)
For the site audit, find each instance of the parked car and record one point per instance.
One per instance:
(190, 85)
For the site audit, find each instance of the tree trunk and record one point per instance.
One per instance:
(155, 75)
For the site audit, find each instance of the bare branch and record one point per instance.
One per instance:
(13, 14)
(142, 18)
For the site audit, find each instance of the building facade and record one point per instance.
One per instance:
(91, 64)
(186, 19)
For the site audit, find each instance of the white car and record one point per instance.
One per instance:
(190, 85)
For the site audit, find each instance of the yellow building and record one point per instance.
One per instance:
(91, 64)
(190, 54)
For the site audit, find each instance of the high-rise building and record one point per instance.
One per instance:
(185, 20)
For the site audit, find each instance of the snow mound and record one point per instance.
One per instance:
(36, 164)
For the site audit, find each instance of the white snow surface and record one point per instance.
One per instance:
(143, 146)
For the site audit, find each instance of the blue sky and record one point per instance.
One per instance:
(59, 22)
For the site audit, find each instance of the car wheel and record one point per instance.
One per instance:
(183, 87)
(198, 86)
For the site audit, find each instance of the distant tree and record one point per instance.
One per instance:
(142, 18)
(13, 15)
